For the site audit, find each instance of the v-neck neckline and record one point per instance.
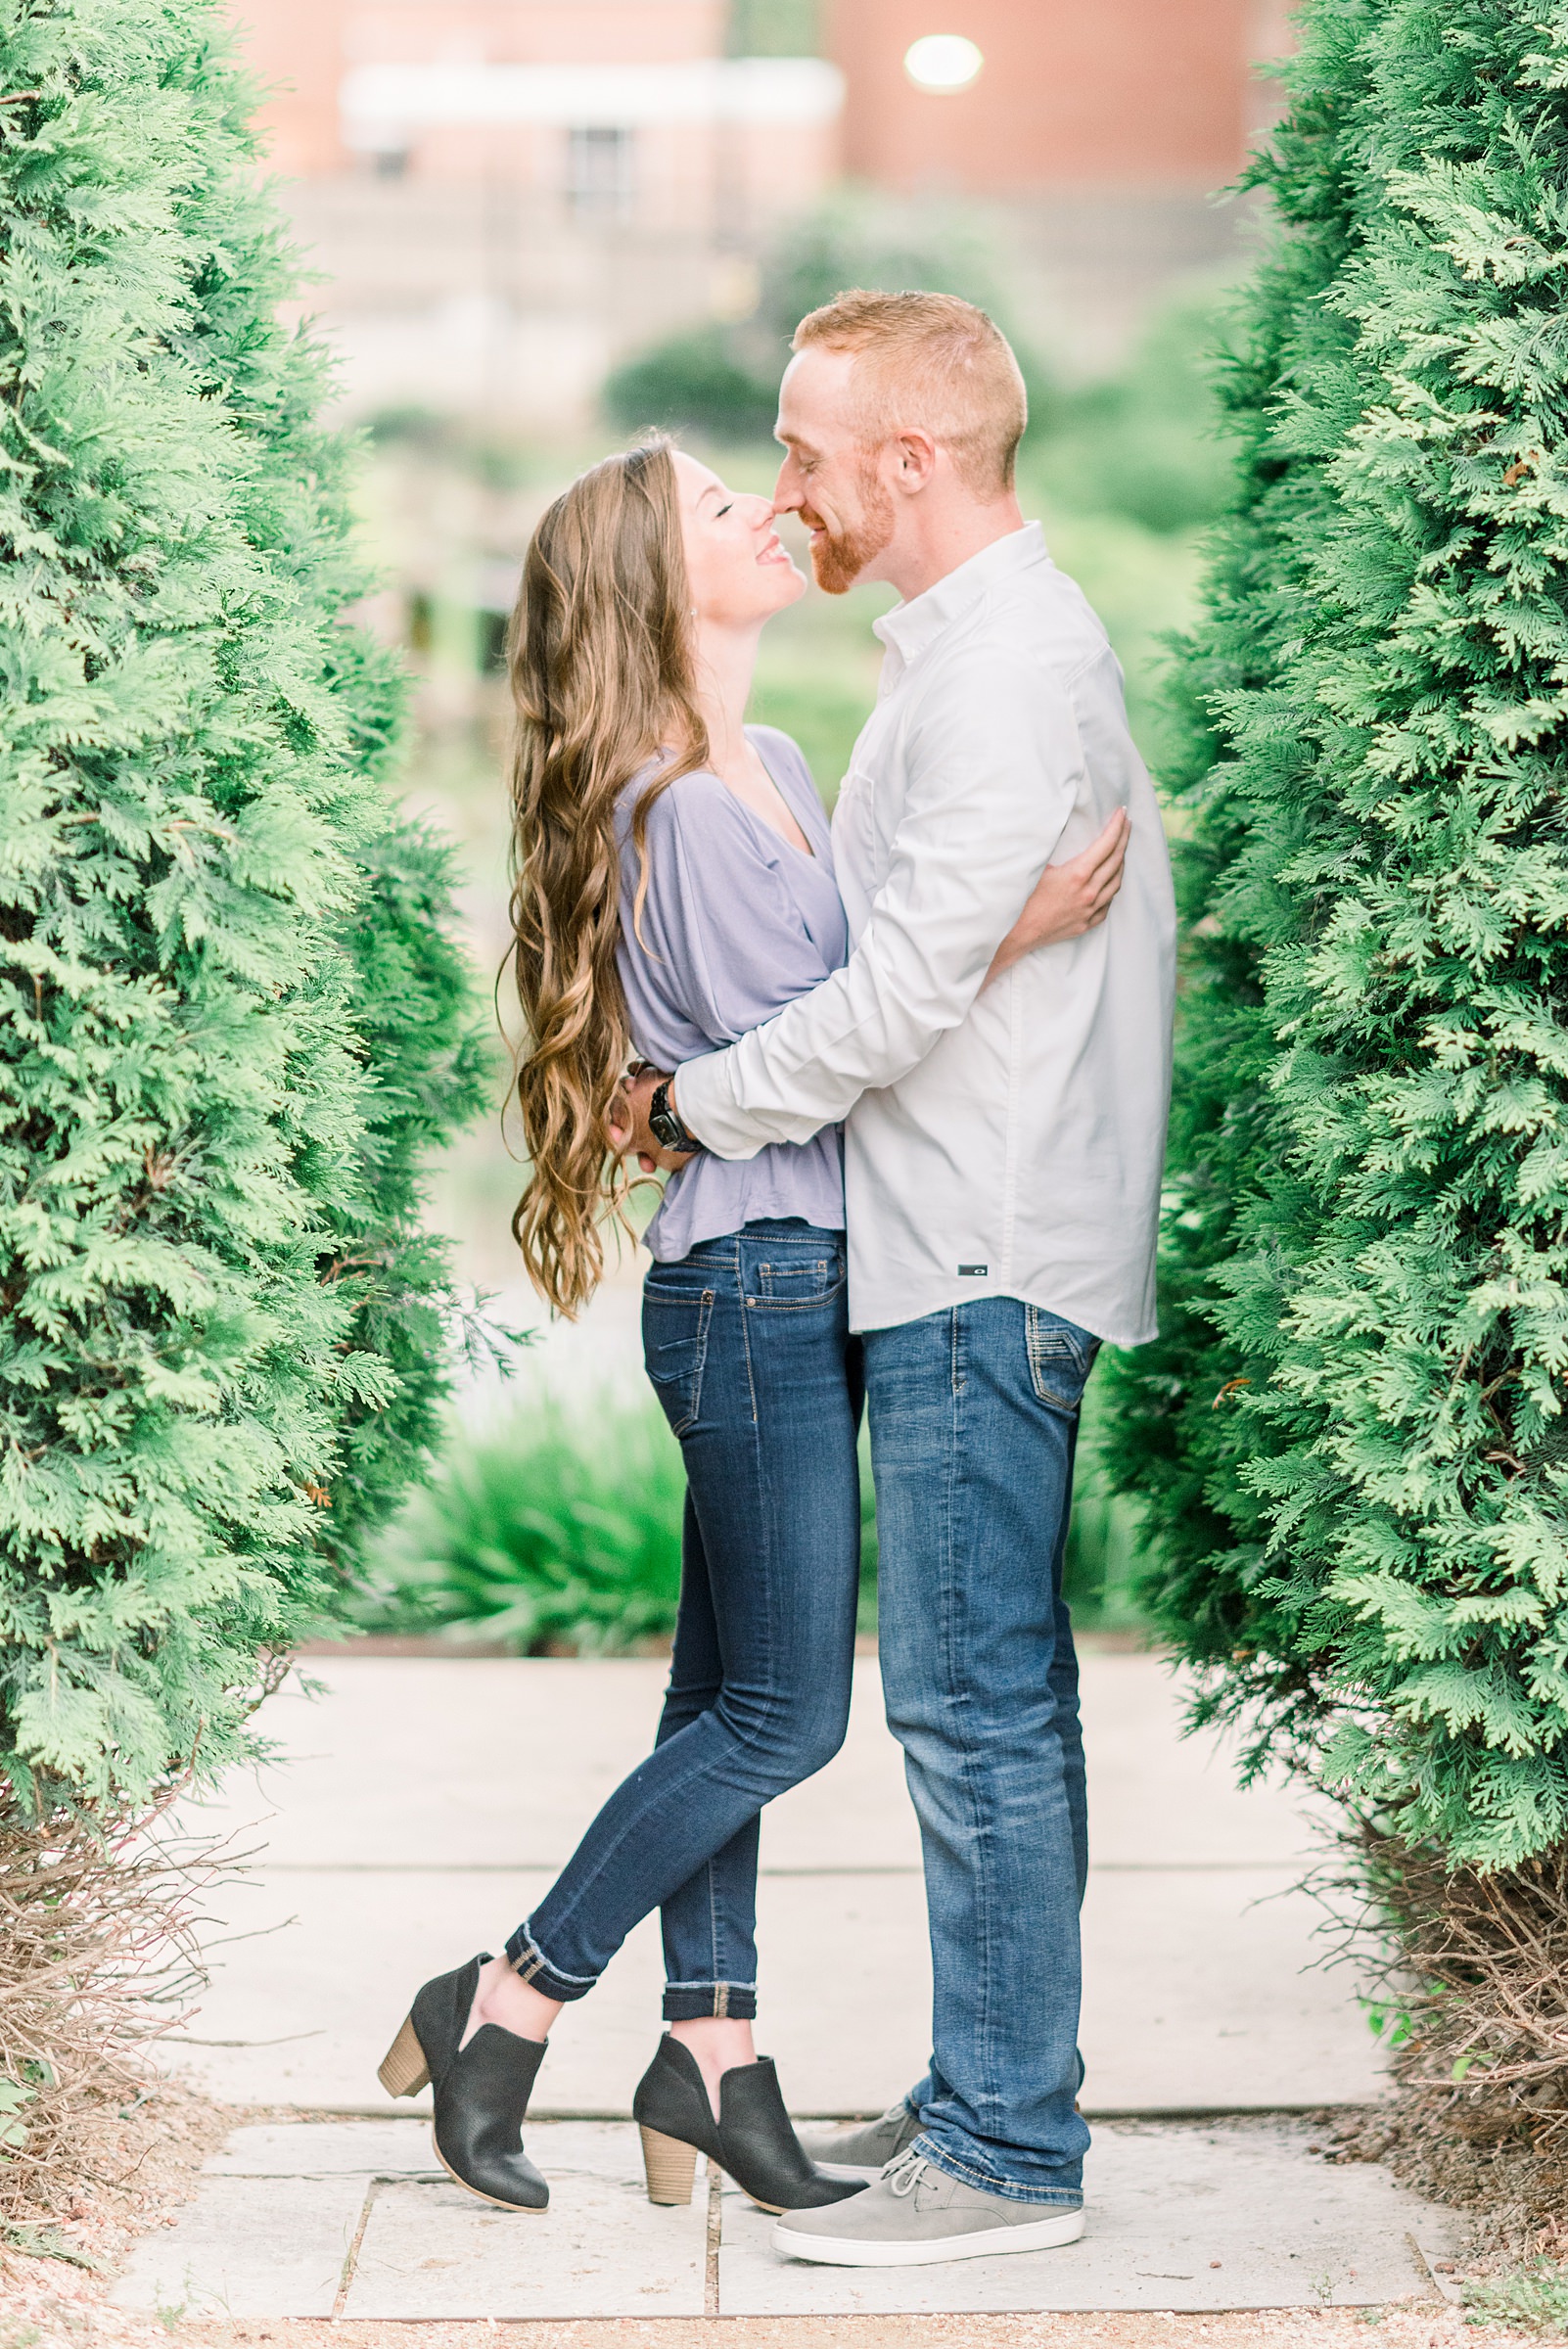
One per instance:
(808, 854)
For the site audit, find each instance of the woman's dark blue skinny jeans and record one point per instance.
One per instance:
(747, 1343)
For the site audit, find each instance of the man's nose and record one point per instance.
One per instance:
(788, 494)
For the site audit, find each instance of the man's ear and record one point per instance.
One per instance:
(915, 462)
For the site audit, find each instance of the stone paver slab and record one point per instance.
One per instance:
(412, 1760)
(1179, 2218)
(327, 2149)
(1196, 1997)
(1199, 1993)
(250, 2246)
(1203, 1991)
(602, 2250)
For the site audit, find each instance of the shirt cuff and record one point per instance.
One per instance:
(705, 1102)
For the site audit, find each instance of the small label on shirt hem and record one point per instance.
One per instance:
(977, 1272)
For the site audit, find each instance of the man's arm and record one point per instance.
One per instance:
(993, 771)
(1068, 899)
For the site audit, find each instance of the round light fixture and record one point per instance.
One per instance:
(943, 62)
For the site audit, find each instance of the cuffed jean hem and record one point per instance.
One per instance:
(704, 2002)
(1005, 2189)
(530, 1965)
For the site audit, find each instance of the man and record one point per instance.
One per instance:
(1003, 1152)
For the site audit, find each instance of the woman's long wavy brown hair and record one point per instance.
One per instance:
(601, 666)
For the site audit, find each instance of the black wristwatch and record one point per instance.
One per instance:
(664, 1121)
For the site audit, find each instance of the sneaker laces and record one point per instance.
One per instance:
(903, 2173)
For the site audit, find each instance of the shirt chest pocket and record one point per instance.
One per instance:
(862, 832)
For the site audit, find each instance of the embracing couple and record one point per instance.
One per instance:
(910, 1081)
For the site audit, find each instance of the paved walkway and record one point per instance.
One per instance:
(353, 2220)
(417, 1808)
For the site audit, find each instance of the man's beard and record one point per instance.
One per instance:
(839, 557)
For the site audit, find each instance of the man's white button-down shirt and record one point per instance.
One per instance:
(1003, 1140)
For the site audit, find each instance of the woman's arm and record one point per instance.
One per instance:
(1068, 898)
(722, 941)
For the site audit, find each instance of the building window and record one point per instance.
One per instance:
(599, 175)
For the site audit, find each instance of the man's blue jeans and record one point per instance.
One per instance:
(974, 1419)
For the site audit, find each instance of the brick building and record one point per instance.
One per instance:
(504, 196)
(1147, 96)
(1099, 135)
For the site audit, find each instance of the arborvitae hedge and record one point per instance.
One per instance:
(1351, 1438)
(230, 1016)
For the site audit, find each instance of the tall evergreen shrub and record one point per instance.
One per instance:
(1352, 1439)
(230, 1015)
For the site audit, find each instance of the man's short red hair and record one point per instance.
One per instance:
(935, 363)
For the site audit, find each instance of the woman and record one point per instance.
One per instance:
(674, 888)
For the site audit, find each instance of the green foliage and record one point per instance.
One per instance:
(1349, 1439)
(558, 1527)
(1143, 441)
(1533, 2299)
(699, 382)
(722, 381)
(230, 1019)
(772, 28)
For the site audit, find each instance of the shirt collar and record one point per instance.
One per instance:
(912, 629)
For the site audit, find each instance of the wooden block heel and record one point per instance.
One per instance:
(669, 2166)
(404, 2071)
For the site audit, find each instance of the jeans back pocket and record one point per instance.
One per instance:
(1061, 1357)
(797, 1280)
(674, 1350)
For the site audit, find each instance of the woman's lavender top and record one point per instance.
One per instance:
(735, 923)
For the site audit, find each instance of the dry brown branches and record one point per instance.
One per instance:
(97, 1959)
(1487, 1956)
(1473, 1971)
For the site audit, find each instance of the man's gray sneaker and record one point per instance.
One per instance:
(863, 2148)
(916, 2215)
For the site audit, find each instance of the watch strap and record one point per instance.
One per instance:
(664, 1120)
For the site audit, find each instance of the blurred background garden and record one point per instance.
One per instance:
(536, 229)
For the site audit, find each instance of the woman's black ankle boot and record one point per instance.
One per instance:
(752, 2139)
(481, 2091)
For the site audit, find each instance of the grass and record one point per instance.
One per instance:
(552, 1532)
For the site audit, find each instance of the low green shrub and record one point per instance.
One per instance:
(702, 382)
(1533, 2299)
(561, 1528)
(552, 1530)
(721, 380)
